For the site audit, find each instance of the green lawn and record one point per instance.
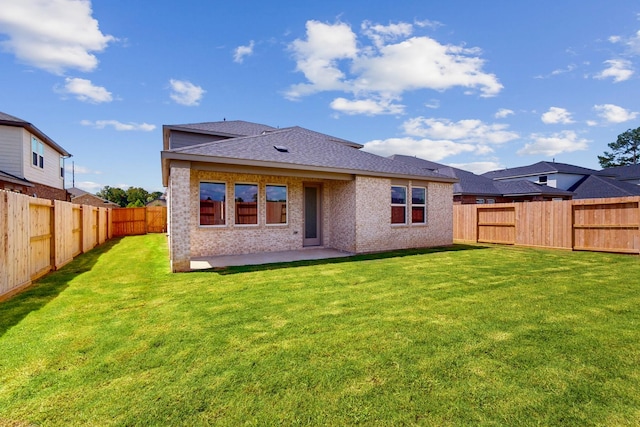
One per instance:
(461, 336)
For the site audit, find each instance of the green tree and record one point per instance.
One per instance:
(135, 194)
(114, 194)
(137, 204)
(624, 151)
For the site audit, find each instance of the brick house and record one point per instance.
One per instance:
(30, 162)
(237, 187)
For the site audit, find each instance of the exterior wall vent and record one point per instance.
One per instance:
(281, 148)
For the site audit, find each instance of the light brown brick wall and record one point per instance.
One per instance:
(356, 217)
(374, 231)
(180, 218)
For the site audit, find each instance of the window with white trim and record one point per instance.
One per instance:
(398, 204)
(246, 204)
(418, 205)
(212, 203)
(276, 197)
(37, 153)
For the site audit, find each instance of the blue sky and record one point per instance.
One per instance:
(477, 85)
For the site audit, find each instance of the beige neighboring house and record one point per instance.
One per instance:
(237, 187)
(30, 162)
(82, 197)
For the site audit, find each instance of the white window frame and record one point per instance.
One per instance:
(286, 205)
(39, 152)
(405, 205)
(235, 206)
(225, 206)
(419, 205)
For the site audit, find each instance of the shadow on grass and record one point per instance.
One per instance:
(47, 288)
(353, 258)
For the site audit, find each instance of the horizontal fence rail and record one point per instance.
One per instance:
(600, 225)
(40, 235)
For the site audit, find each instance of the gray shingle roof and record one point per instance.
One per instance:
(9, 120)
(5, 176)
(541, 168)
(595, 187)
(523, 187)
(624, 173)
(305, 149)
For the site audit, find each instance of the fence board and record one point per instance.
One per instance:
(14, 228)
(41, 235)
(64, 247)
(129, 221)
(156, 219)
(610, 225)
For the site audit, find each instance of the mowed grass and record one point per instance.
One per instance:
(461, 336)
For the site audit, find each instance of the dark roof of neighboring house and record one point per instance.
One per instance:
(299, 149)
(469, 183)
(7, 177)
(9, 120)
(238, 128)
(595, 187)
(624, 173)
(524, 187)
(542, 168)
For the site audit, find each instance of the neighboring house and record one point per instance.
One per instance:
(160, 201)
(82, 197)
(628, 173)
(30, 161)
(236, 187)
(477, 189)
(596, 187)
(558, 175)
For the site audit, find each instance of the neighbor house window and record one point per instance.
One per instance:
(37, 153)
(418, 205)
(212, 203)
(62, 167)
(479, 201)
(276, 204)
(398, 204)
(246, 198)
(542, 179)
(491, 201)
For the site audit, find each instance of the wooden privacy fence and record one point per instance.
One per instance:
(134, 221)
(603, 225)
(40, 235)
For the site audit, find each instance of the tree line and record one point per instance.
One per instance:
(133, 197)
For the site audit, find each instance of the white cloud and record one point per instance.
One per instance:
(241, 51)
(433, 103)
(86, 91)
(618, 69)
(368, 107)
(469, 131)
(119, 126)
(478, 167)
(561, 142)
(53, 35)
(81, 170)
(332, 58)
(424, 148)
(632, 43)
(614, 114)
(89, 186)
(503, 112)
(557, 115)
(185, 92)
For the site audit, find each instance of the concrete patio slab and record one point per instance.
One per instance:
(202, 263)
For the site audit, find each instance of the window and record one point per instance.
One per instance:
(418, 205)
(276, 204)
(212, 203)
(37, 153)
(398, 204)
(62, 167)
(246, 198)
(542, 179)
(491, 201)
(479, 201)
